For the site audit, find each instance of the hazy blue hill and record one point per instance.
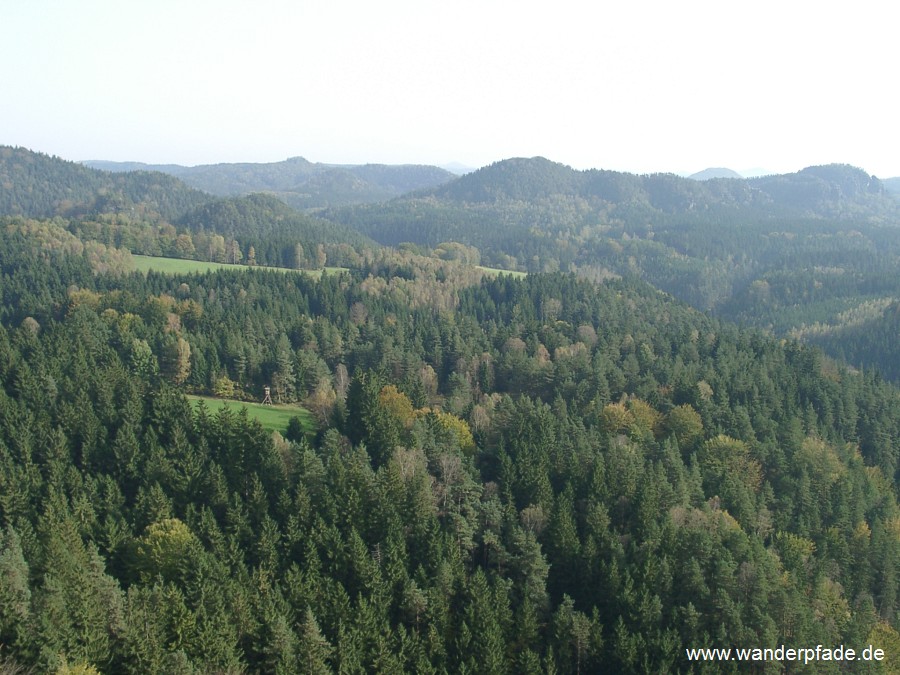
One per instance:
(236, 179)
(538, 179)
(364, 184)
(457, 168)
(892, 185)
(299, 182)
(121, 167)
(715, 172)
(517, 179)
(824, 191)
(852, 181)
(674, 194)
(40, 186)
(832, 190)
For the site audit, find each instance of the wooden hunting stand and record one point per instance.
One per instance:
(267, 400)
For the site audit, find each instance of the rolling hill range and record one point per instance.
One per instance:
(299, 182)
(782, 252)
(822, 191)
(542, 214)
(153, 213)
(812, 254)
(536, 197)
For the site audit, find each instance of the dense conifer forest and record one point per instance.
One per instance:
(549, 474)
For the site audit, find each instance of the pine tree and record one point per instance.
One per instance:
(313, 650)
(15, 596)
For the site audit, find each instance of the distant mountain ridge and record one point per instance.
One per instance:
(521, 193)
(824, 191)
(535, 197)
(707, 174)
(299, 182)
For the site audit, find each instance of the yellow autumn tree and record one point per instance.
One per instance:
(885, 638)
(685, 424)
(164, 545)
(454, 425)
(646, 420)
(66, 668)
(724, 455)
(397, 404)
(615, 418)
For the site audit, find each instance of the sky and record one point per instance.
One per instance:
(640, 86)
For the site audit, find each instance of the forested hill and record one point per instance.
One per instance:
(822, 191)
(299, 182)
(155, 214)
(510, 476)
(35, 185)
(538, 211)
(271, 227)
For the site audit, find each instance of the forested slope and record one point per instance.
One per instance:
(151, 213)
(272, 228)
(870, 340)
(511, 476)
(35, 185)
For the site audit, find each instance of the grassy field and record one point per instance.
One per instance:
(145, 263)
(494, 271)
(272, 417)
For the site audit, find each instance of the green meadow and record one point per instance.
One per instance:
(494, 271)
(272, 417)
(146, 263)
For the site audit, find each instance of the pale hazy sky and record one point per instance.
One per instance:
(638, 86)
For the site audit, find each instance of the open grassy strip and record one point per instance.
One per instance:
(272, 417)
(146, 263)
(494, 271)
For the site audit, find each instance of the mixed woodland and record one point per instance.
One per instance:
(567, 472)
